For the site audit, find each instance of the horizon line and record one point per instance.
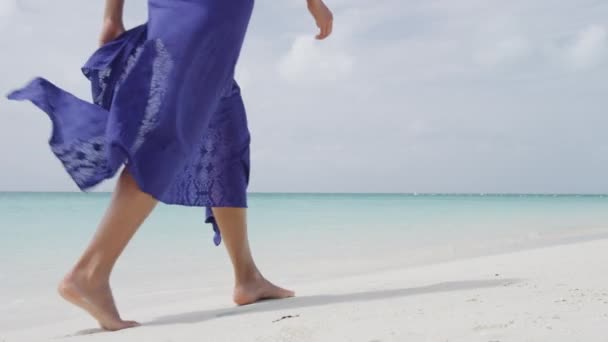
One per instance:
(340, 193)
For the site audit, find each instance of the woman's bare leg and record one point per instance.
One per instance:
(87, 285)
(250, 285)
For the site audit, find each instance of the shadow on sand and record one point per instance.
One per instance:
(317, 300)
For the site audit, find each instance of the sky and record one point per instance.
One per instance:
(407, 96)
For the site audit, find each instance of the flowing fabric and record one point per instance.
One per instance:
(165, 105)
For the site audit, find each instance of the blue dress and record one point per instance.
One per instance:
(165, 105)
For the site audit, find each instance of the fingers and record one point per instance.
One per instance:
(321, 34)
(325, 29)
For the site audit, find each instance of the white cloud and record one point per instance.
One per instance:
(7, 7)
(503, 51)
(310, 60)
(590, 47)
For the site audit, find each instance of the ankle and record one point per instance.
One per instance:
(89, 276)
(248, 276)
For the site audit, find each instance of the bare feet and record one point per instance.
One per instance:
(96, 299)
(258, 289)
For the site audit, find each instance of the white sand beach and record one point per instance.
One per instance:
(556, 293)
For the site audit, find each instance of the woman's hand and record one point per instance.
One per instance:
(323, 17)
(111, 29)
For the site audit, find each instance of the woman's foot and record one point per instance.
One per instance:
(257, 289)
(95, 298)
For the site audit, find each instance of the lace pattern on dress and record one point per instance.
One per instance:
(217, 173)
(161, 69)
(102, 78)
(85, 161)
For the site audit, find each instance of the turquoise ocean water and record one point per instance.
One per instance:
(47, 228)
(300, 236)
(55, 225)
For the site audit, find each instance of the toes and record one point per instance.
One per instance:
(263, 290)
(132, 324)
(121, 325)
(278, 292)
(287, 293)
